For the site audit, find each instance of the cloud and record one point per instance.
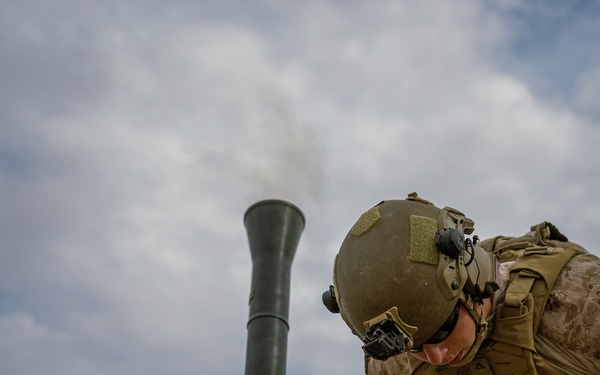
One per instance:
(587, 92)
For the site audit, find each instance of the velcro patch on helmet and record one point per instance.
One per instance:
(366, 221)
(422, 240)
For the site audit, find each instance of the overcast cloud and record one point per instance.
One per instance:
(135, 134)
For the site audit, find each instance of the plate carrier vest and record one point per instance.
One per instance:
(539, 257)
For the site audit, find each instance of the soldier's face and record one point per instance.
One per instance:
(455, 346)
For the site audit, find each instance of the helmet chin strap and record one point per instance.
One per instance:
(483, 329)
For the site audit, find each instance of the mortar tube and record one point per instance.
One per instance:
(274, 228)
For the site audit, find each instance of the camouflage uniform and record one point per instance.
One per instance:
(568, 336)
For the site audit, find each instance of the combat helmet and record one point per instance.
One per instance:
(402, 271)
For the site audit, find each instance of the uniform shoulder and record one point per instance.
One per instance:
(571, 316)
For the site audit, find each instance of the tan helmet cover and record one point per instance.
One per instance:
(390, 259)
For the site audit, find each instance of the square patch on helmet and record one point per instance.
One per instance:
(366, 222)
(422, 240)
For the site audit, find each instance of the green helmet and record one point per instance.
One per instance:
(405, 264)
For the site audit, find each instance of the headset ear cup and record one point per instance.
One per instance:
(330, 301)
(481, 281)
(450, 242)
(487, 291)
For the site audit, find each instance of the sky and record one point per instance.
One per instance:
(135, 134)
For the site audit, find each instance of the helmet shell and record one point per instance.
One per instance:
(390, 259)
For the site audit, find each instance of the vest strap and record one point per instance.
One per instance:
(519, 288)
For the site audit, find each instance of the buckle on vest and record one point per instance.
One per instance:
(512, 312)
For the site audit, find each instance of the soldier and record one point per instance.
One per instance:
(426, 299)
